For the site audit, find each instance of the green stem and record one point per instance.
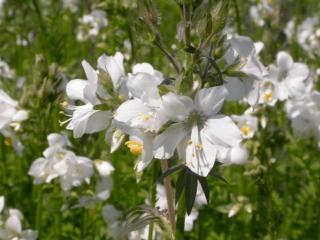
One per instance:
(238, 18)
(3, 159)
(180, 219)
(39, 209)
(153, 196)
(83, 224)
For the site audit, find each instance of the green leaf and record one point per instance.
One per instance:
(180, 184)
(204, 184)
(172, 170)
(217, 176)
(190, 190)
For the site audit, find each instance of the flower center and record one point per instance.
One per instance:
(135, 147)
(245, 129)
(195, 118)
(267, 96)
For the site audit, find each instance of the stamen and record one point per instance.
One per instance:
(135, 147)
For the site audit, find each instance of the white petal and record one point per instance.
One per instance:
(200, 153)
(13, 223)
(176, 107)
(236, 89)
(166, 142)
(238, 155)
(90, 89)
(147, 68)
(145, 87)
(284, 60)
(104, 168)
(113, 65)
(56, 139)
(146, 157)
(75, 89)
(221, 130)
(243, 45)
(210, 100)
(98, 121)
(131, 110)
(1, 203)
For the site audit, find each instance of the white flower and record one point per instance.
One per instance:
(285, 80)
(247, 124)
(305, 115)
(245, 88)
(140, 144)
(91, 24)
(10, 115)
(199, 130)
(86, 119)
(307, 34)
(11, 228)
(10, 120)
(60, 163)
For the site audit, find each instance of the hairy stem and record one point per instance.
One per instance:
(168, 188)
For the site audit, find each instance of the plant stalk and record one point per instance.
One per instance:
(168, 188)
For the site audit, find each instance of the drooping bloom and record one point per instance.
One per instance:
(198, 131)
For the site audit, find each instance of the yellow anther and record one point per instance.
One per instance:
(8, 141)
(121, 97)
(267, 96)
(190, 142)
(60, 155)
(135, 147)
(245, 129)
(146, 117)
(199, 146)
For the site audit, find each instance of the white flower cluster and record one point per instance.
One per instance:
(11, 117)
(58, 162)
(307, 34)
(91, 24)
(193, 126)
(11, 227)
